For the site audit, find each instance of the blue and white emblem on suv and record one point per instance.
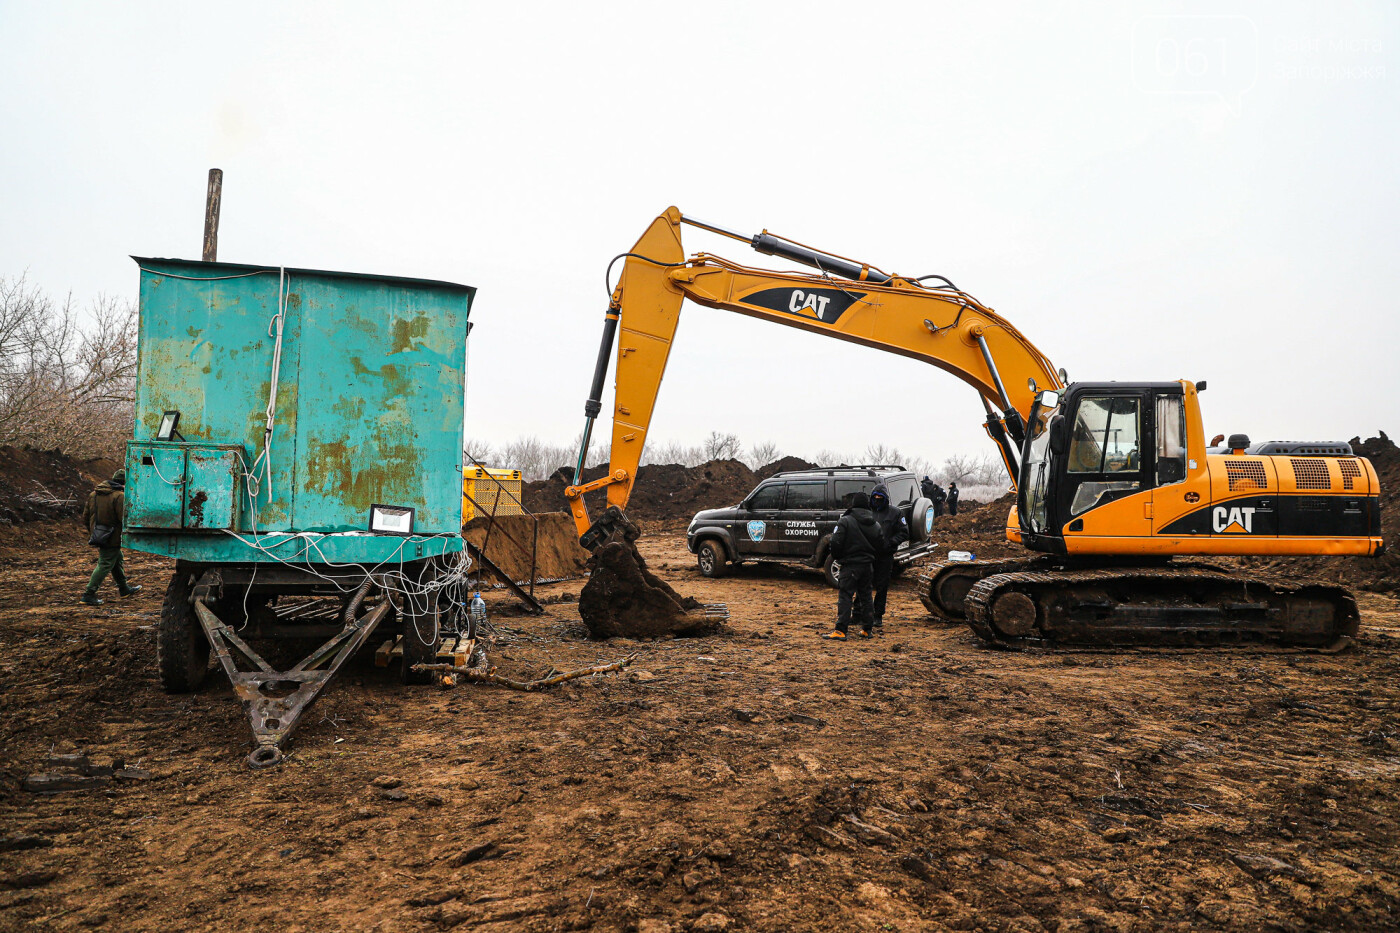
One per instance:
(756, 530)
(928, 523)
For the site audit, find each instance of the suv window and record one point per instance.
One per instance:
(846, 488)
(768, 497)
(808, 496)
(902, 491)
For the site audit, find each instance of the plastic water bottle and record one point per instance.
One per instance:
(961, 555)
(477, 613)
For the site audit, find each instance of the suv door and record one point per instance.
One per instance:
(841, 492)
(805, 503)
(758, 531)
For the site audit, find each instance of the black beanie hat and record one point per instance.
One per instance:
(860, 501)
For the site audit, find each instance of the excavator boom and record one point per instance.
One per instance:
(844, 299)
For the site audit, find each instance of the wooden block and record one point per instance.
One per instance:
(384, 652)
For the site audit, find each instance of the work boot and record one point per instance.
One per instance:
(835, 635)
(91, 599)
(866, 633)
(130, 591)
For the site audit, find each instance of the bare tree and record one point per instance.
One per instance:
(482, 451)
(883, 453)
(760, 455)
(721, 446)
(62, 386)
(958, 468)
(990, 471)
(674, 452)
(535, 459)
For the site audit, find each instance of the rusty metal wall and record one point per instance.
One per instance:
(370, 386)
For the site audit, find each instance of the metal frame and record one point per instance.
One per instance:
(275, 700)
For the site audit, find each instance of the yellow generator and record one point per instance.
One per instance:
(491, 492)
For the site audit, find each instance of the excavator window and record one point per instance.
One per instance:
(1171, 439)
(1106, 440)
(1106, 435)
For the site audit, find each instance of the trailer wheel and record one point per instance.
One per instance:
(419, 623)
(182, 650)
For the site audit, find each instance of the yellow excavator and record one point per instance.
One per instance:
(1113, 479)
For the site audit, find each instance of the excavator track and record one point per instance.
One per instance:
(1125, 607)
(944, 585)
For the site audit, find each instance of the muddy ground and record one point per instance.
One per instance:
(761, 780)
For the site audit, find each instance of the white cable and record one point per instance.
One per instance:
(155, 466)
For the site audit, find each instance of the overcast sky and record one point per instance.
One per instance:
(1145, 196)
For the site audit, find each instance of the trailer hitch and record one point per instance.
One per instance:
(276, 700)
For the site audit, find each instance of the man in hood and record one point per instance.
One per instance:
(103, 513)
(952, 498)
(938, 497)
(894, 531)
(854, 544)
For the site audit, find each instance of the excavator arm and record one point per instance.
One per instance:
(845, 299)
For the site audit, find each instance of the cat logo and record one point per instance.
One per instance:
(1233, 520)
(820, 304)
(800, 301)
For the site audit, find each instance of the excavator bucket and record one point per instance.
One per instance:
(623, 598)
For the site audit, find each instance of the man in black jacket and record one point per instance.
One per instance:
(855, 544)
(952, 498)
(938, 497)
(894, 531)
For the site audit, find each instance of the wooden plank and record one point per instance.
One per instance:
(211, 214)
(384, 652)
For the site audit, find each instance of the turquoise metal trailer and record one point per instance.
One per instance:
(298, 435)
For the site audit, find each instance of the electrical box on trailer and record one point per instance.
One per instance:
(178, 485)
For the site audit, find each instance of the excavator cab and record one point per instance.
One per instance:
(1095, 444)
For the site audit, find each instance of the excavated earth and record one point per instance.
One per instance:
(761, 779)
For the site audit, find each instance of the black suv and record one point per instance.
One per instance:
(789, 518)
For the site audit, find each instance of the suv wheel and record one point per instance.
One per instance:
(710, 558)
(831, 569)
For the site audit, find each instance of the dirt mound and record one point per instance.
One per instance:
(39, 485)
(508, 545)
(784, 465)
(624, 599)
(1376, 574)
(978, 528)
(664, 492)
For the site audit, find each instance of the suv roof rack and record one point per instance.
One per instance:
(869, 469)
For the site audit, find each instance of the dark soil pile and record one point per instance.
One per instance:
(667, 492)
(784, 465)
(624, 599)
(1376, 574)
(508, 545)
(978, 528)
(39, 485)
